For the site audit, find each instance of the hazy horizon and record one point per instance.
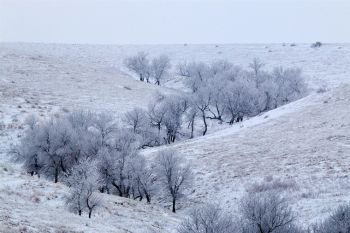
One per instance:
(174, 22)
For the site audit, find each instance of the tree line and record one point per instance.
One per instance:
(218, 91)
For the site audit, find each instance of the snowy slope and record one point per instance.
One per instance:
(325, 66)
(67, 81)
(34, 83)
(305, 143)
(29, 204)
(32, 205)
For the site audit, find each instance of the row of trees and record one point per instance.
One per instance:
(234, 91)
(266, 212)
(219, 91)
(90, 153)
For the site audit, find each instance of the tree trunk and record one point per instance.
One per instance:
(79, 212)
(56, 175)
(90, 212)
(192, 128)
(205, 124)
(232, 120)
(174, 202)
(219, 114)
(148, 198)
(118, 188)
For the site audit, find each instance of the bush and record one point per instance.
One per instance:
(317, 44)
(267, 212)
(337, 222)
(209, 219)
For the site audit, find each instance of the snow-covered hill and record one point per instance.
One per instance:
(302, 147)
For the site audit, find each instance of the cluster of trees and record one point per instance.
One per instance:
(263, 212)
(90, 153)
(232, 92)
(156, 69)
(220, 91)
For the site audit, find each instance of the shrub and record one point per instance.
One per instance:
(267, 212)
(209, 219)
(317, 44)
(337, 222)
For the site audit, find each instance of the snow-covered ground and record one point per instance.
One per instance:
(325, 66)
(304, 146)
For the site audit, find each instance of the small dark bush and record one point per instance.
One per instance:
(316, 44)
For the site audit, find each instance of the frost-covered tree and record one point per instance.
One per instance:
(195, 74)
(51, 147)
(106, 169)
(256, 66)
(290, 85)
(156, 112)
(167, 115)
(144, 180)
(160, 67)
(268, 92)
(202, 99)
(83, 182)
(267, 212)
(173, 117)
(233, 73)
(136, 119)
(148, 136)
(139, 64)
(81, 119)
(105, 127)
(209, 219)
(86, 141)
(217, 105)
(241, 99)
(173, 173)
(220, 66)
(182, 69)
(123, 154)
(27, 150)
(55, 143)
(190, 117)
(142, 124)
(122, 167)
